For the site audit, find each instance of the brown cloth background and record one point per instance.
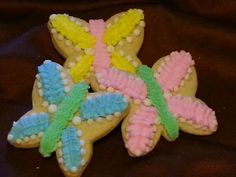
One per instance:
(205, 28)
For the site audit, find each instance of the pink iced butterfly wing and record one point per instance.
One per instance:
(140, 130)
(193, 115)
(176, 73)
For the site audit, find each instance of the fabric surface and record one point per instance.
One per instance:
(205, 28)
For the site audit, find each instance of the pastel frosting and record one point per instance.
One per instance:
(64, 114)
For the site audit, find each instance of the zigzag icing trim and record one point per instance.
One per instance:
(127, 84)
(176, 68)
(75, 33)
(141, 129)
(123, 27)
(193, 112)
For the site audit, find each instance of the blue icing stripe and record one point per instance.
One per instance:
(71, 148)
(29, 125)
(52, 86)
(102, 105)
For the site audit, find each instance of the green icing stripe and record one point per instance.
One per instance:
(60, 119)
(157, 99)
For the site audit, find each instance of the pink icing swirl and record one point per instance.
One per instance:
(193, 112)
(102, 57)
(174, 70)
(140, 130)
(129, 85)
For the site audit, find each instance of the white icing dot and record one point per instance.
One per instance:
(40, 134)
(82, 142)
(52, 108)
(186, 77)
(37, 76)
(65, 81)
(102, 87)
(121, 43)
(9, 137)
(175, 88)
(59, 67)
(99, 119)
(68, 43)
(140, 11)
(14, 123)
(67, 89)
(18, 141)
(121, 52)
(142, 23)
(110, 48)
(72, 19)
(189, 70)
(147, 102)
(182, 83)
(86, 29)
(45, 103)
(60, 37)
(53, 31)
(52, 16)
(71, 64)
(129, 39)
(32, 137)
(82, 151)
(79, 133)
(83, 162)
(117, 114)
(46, 61)
(33, 114)
(40, 92)
(89, 51)
(60, 160)
(90, 121)
(135, 64)
(167, 94)
(128, 58)
(26, 139)
(78, 23)
(77, 48)
(109, 117)
(63, 75)
(39, 84)
(73, 169)
(76, 120)
(78, 58)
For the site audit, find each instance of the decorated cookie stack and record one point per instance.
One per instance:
(67, 119)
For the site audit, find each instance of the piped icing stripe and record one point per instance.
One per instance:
(71, 149)
(75, 33)
(102, 106)
(155, 94)
(102, 57)
(51, 82)
(127, 84)
(81, 68)
(141, 129)
(176, 68)
(193, 112)
(28, 125)
(121, 63)
(61, 117)
(123, 26)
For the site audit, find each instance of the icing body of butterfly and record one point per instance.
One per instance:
(66, 118)
(162, 98)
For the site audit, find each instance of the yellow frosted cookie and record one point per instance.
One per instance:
(66, 119)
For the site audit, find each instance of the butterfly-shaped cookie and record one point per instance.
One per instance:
(91, 47)
(66, 118)
(162, 102)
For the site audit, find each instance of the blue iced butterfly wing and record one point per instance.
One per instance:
(103, 105)
(28, 130)
(71, 154)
